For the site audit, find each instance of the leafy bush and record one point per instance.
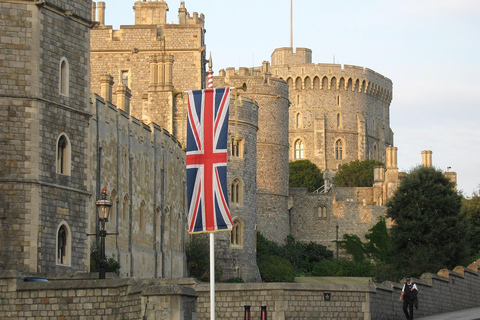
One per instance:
(356, 174)
(327, 268)
(275, 269)
(342, 268)
(302, 256)
(112, 264)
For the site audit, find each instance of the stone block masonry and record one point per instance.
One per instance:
(79, 299)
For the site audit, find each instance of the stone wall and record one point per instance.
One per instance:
(78, 299)
(35, 110)
(285, 301)
(315, 216)
(81, 297)
(438, 293)
(143, 168)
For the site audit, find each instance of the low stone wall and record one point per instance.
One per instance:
(438, 293)
(286, 301)
(443, 292)
(84, 298)
(109, 299)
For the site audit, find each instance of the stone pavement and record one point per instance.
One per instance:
(467, 314)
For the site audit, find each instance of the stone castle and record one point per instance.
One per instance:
(86, 106)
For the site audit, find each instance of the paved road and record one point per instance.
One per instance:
(467, 314)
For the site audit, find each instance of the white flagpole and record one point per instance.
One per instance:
(212, 276)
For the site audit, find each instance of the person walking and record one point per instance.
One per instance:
(409, 298)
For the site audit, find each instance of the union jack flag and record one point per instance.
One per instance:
(207, 131)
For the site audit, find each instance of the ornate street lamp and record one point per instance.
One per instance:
(104, 207)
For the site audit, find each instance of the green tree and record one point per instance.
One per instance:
(429, 229)
(378, 242)
(198, 259)
(306, 174)
(356, 174)
(471, 208)
(353, 246)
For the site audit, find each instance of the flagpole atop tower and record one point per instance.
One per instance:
(291, 24)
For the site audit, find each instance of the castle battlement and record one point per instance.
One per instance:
(185, 18)
(151, 13)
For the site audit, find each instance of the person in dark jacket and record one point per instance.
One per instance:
(409, 298)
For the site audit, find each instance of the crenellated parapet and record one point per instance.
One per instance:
(185, 18)
(300, 73)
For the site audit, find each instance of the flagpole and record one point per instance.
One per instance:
(212, 276)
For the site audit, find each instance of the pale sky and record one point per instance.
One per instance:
(430, 49)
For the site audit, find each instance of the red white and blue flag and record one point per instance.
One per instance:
(207, 132)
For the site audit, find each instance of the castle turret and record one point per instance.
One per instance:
(272, 145)
(338, 113)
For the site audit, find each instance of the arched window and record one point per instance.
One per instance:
(339, 101)
(339, 150)
(113, 212)
(375, 152)
(64, 152)
(236, 191)
(299, 149)
(298, 120)
(64, 77)
(126, 209)
(322, 212)
(142, 217)
(237, 147)
(124, 77)
(333, 83)
(63, 245)
(339, 120)
(236, 236)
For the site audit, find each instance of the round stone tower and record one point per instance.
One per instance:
(235, 251)
(271, 94)
(338, 113)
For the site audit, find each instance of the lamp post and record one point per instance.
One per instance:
(104, 206)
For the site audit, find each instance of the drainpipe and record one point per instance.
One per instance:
(155, 201)
(130, 191)
(118, 188)
(99, 172)
(162, 227)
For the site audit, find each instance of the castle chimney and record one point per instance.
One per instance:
(266, 67)
(94, 11)
(101, 13)
(427, 158)
(123, 98)
(182, 13)
(106, 83)
(391, 157)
